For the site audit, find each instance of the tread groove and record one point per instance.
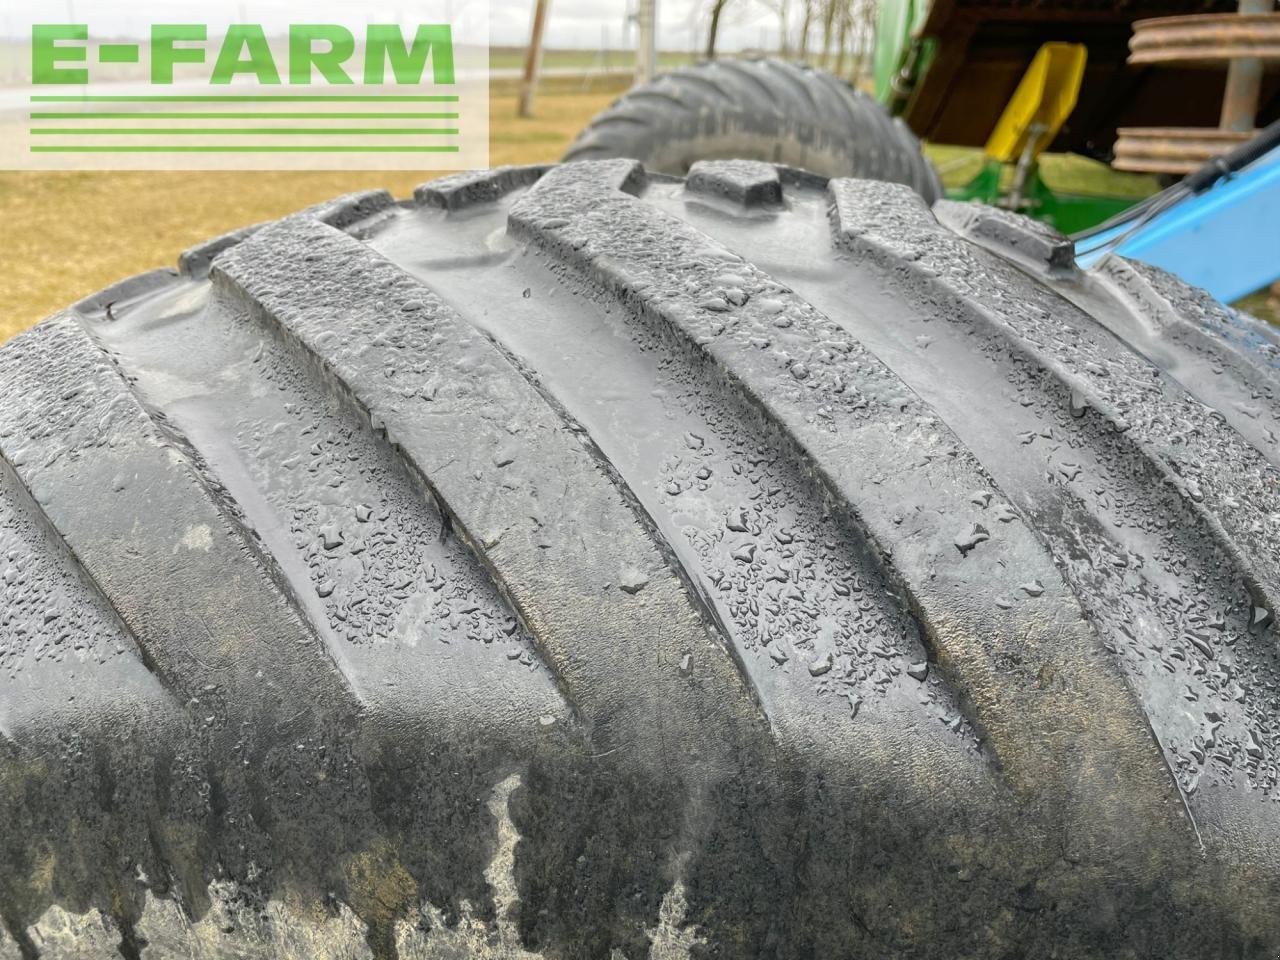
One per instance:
(575, 214)
(797, 79)
(745, 70)
(1189, 585)
(276, 257)
(706, 608)
(24, 502)
(703, 78)
(618, 569)
(362, 571)
(85, 362)
(1163, 334)
(916, 243)
(729, 494)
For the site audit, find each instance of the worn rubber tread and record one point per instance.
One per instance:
(1223, 480)
(213, 627)
(1200, 332)
(103, 435)
(714, 566)
(1012, 236)
(745, 182)
(466, 189)
(767, 110)
(663, 568)
(568, 553)
(809, 369)
(127, 289)
(512, 440)
(194, 262)
(1129, 452)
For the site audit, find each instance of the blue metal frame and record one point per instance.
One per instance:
(1226, 240)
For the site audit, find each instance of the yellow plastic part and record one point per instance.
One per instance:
(1045, 97)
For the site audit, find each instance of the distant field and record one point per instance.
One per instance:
(69, 234)
(506, 58)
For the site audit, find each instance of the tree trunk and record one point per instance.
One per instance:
(841, 41)
(716, 8)
(865, 39)
(828, 19)
(802, 51)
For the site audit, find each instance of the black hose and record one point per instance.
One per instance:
(1236, 159)
(1197, 181)
(1161, 201)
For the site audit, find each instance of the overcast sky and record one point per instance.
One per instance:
(573, 23)
(682, 23)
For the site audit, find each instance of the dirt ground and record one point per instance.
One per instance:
(68, 234)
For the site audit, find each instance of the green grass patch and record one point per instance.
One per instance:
(1063, 172)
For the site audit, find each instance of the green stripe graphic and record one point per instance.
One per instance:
(245, 131)
(266, 98)
(188, 148)
(217, 115)
(142, 116)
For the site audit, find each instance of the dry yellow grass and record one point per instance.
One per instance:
(68, 234)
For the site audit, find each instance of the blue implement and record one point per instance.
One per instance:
(1226, 239)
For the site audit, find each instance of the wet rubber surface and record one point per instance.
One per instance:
(578, 563)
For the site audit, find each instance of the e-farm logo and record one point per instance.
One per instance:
(244, 51)
(298, 95)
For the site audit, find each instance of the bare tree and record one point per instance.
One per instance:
(806, 22)
(845, 27)
(717, 8)
(848, 30)
(842, 39)
(864, 35)
(828, 21)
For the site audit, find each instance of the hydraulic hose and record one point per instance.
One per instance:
(1195, 182)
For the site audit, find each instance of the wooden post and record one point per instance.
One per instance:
(1244, 82)
(647, 45)
(533, 59)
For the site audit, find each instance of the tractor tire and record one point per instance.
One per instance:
(578, 563)
(767, 110)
